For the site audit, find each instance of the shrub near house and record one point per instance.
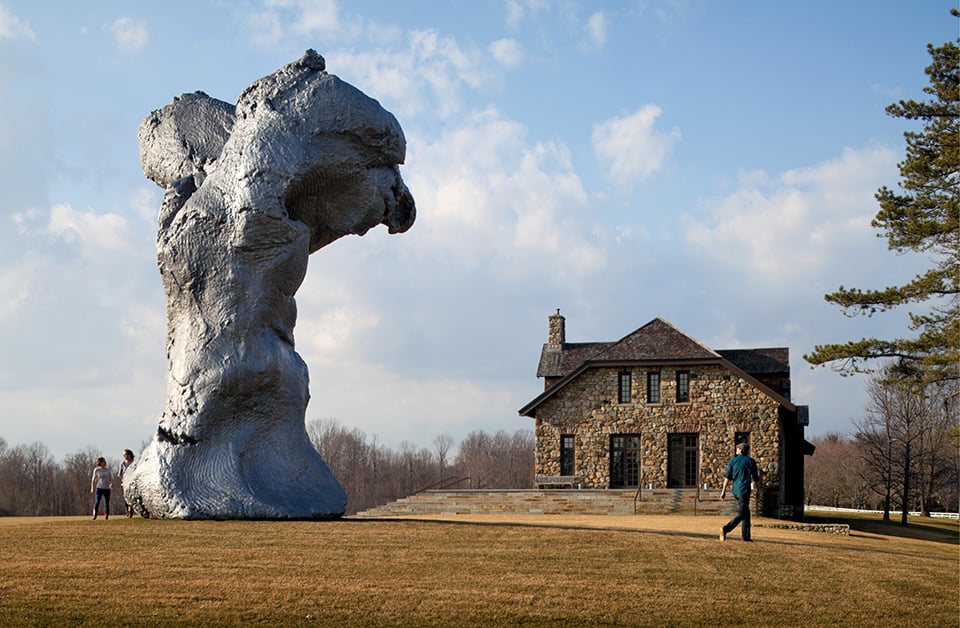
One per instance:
(659, 409)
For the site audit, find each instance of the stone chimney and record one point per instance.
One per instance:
(557, 333)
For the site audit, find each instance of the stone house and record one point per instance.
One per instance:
(659, 410)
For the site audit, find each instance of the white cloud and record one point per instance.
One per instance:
(596, 28)
(631, 147)
(507, 52)
(129, 35)
(333, 332)
(12, 27)
(144, 327)
(514, 14)
(96, 233)
(429, 75)
(392, 74)
(265, 27)
(318, 16)
(798, 225)
(283, 19)
(145, 202)
(518, 10)
(495, 202)
(445, 62)
(15, 288)
(419, 408)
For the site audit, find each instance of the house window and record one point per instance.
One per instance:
(653, 387)
(683, 386)
(683, 455)
(623, 389)
(567, 454)
(624, 460)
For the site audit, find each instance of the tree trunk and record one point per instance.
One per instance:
(905, 501)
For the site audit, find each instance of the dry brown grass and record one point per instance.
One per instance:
(531, 570)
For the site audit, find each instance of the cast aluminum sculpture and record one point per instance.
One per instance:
(303, 159)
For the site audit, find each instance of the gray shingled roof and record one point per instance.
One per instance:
(557, 363)
(657, 341)
(759, 361)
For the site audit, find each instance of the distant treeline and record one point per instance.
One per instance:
(845, 473)
(34, 484)
(373, 474)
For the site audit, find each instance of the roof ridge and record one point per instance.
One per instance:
(680, 331)
(637, 333)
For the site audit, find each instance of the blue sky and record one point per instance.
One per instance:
(710, 163)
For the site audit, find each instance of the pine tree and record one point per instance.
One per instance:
(921, 217)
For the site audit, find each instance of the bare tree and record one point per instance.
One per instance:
(903, 434)
(937, 450)
(7, 500)
(351, 459)
(473, 458)
(825, 477)
(837, 475)
(76, 471)
(500, 461)
(878, 435)
(442, 444)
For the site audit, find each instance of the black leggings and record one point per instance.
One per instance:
(105, 494)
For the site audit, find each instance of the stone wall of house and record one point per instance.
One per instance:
(721, 404)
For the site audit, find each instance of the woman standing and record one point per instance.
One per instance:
(101, 482)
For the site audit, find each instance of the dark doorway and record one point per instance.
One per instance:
(624, 460)
(683, 455)
(567, 457)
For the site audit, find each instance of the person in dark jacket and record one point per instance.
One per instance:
(741, 472)
(127, 466)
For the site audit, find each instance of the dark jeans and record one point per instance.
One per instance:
(105, 494)
(743, 516)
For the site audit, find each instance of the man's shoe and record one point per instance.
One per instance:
(748, 540)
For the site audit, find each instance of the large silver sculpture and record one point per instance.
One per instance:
(251, 191)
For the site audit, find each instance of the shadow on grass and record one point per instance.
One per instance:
(556, 523)
(938, 531)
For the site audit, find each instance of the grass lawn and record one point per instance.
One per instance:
(473, 570)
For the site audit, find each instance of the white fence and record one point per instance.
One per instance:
(937, 515)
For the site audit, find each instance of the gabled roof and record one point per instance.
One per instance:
(657, 342)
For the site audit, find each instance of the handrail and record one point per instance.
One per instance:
(442, 484)
(696, 502)
(636, 497)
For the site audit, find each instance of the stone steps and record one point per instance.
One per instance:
(560, 501)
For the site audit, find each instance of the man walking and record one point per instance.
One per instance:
(741, 471)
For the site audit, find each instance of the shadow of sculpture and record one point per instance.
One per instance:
(250, 191)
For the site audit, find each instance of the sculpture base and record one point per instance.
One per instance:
(206, 480)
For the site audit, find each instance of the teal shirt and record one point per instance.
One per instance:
(741, 470)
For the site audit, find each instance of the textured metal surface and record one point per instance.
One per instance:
(251, 191)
